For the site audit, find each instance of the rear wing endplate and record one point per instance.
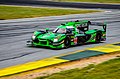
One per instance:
(99, 24)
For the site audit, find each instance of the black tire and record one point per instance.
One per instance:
(67, 42)
(98, 37)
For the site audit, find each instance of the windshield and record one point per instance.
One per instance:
(60, 30)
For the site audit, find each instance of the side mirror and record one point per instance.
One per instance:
(47, 29)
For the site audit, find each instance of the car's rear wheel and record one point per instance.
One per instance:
(98, 37)
(67, 42)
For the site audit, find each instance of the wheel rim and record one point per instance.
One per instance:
(98, 38)
(67, 43)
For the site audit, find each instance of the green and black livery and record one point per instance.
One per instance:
(70, 33)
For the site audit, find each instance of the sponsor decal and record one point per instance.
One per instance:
(75, 40)
(72, 36)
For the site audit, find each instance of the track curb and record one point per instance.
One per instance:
(95, 51)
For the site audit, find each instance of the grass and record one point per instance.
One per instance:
(107, 70)
(98, 1)
(14, 12)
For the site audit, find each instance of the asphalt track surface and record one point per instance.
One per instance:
(15, 33)
(60, 4)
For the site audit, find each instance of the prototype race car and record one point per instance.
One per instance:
(70, 33)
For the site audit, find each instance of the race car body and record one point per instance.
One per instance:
(70, 33)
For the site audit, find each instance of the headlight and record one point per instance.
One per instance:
(33, 37)
(55, 40)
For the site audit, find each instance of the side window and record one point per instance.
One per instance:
(70, 30)
(84, 25)
(78, 25)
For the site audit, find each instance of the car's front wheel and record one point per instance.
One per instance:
(67, 42)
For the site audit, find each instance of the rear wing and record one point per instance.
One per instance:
(104, 25)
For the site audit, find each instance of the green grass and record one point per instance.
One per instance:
(106, 70)
(99, 1)
(14, 12)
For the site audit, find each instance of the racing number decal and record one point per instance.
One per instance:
(75, 40)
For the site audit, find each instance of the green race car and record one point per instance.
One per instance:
(70, 33)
